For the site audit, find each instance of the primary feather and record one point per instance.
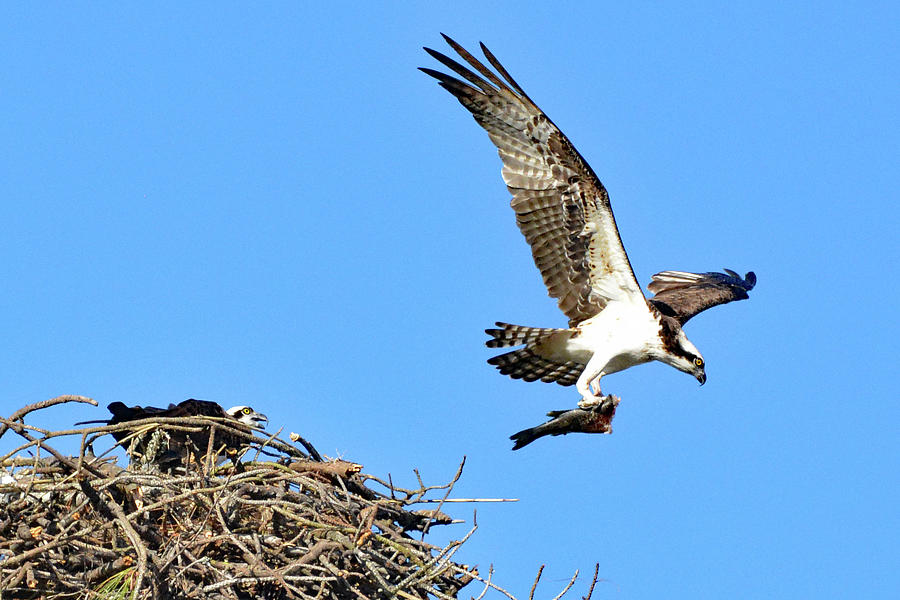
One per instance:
(561, 207)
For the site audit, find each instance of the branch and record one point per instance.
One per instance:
(19, 414)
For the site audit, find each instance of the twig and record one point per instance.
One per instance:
(19, 414)
(593, 582)
(453, 481)
(452, 500)
(492, 585)
(568, 586)
(534, 585)
(487, 583)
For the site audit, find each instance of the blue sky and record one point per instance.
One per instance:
(272, 206)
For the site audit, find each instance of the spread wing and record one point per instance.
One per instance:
(683, 295)
(561, 207)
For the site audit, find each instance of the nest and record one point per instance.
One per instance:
(269, 520)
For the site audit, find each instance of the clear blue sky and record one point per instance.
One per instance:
(272, 206)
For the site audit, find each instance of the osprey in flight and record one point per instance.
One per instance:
(564, 212)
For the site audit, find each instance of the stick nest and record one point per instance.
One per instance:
(283, 525)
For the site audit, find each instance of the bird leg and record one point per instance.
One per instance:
(590, 378)
(595, 399)
(590, 398)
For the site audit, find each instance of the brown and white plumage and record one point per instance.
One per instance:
(561, 207)
(230, 436)
(564, 212)
(683, 295)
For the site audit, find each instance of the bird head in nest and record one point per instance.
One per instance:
(248, 416)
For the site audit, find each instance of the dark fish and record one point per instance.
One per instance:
(577, 420)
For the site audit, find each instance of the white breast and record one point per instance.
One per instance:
(624, 332)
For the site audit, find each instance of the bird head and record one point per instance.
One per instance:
(685, 357)
(699, 369)
(248, 416)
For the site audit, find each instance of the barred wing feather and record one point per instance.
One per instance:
(561, 207)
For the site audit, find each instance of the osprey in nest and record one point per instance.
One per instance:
(564, 213)
(182, 441)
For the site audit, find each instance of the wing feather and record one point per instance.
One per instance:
(561, 207)
(683, 295)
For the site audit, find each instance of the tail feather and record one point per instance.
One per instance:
(516, 335)
(120, 412)
(525, 364)
(531, 362)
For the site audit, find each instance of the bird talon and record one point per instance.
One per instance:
(589, 403)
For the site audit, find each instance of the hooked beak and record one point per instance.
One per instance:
(701, 376)
(260, 420)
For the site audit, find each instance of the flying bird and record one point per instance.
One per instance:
(564, 213)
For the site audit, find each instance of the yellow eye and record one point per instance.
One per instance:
(698, 361)
(247, 410)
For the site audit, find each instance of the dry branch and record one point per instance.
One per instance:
(292, 527)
